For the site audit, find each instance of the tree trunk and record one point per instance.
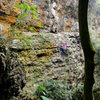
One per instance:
(87, 49)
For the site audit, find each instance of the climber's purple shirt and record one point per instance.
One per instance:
(63, 49)
(64, 46)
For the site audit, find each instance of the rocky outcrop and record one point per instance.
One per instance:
(8, 14)
(7, 7)
(12, 75)
(58, 15)
(48, 44)
(54, 15)
(74, 49)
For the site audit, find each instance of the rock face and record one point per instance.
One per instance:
(74, 49)
(58, 15)
(7, 7)
(8, 14)
(94, 23)
(49, 44)
(55, 15)
(12, 75)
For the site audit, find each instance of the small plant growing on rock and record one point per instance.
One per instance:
(28, 15)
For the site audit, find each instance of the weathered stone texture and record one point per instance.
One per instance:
(56, 13)
(8, 14)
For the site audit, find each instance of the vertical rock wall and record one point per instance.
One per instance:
(55, 15)
(58, 15)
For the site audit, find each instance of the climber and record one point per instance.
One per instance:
(63, 49)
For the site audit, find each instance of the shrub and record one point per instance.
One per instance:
(55, 90)
(52, 90)
(77, 93)
(28, 14)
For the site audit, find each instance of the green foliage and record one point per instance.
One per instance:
(26, 41)
(97, 84)
(52, 90)
(55, 90)
(45, 98)
(77, 93)
(27, 13)
(31, 28)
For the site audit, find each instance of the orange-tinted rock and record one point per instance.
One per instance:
(4, 5)
(42, 12)
(29, 1)
(7, 6)
(60, 13)
(67, 29)
(13, 10)
(47, 22)
(9, 11)
(39, 22)
(5, 27)
(8, 19)
(68, 23)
